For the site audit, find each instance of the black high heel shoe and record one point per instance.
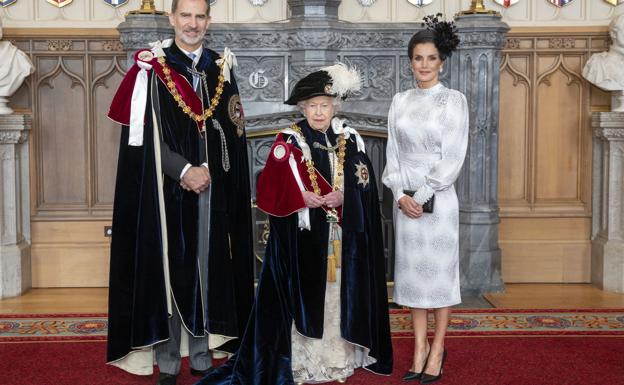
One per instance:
(411, 376)
(426, 378)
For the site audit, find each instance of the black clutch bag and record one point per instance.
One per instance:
(427, 206)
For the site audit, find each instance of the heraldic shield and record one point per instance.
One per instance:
(59, 3)
(506, 3)
(420, 3)
(116, 3)
(615, 3)
(6, 3)
(560, 3)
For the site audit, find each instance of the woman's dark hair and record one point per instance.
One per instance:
(421, 37)
(443, 34)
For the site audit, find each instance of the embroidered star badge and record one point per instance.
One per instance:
(361, 172)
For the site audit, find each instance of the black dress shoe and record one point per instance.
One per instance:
(429, 378)
(201, 373)
(167, 379)
(411, 376)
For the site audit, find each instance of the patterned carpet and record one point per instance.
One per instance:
(463, 323)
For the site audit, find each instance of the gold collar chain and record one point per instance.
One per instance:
(342, 143)
(214, 102)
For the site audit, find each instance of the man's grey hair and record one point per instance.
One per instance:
(174, 6)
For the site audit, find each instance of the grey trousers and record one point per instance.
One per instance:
(168, 352)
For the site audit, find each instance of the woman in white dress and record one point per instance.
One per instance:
(427, 141)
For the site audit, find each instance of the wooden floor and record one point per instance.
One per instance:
(518, 296)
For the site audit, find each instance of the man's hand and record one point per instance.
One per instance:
(409, 207)
(311, 199)
(196, 179)
(333, 199)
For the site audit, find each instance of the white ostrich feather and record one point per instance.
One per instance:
(345, 80)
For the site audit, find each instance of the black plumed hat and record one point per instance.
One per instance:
(337, 81)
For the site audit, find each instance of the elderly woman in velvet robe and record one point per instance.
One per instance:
(321, 309)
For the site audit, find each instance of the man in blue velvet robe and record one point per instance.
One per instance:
(181, 252)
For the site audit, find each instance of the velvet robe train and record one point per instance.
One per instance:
(294, 275)
(137, 298)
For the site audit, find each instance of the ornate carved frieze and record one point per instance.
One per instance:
(562, 43)
(135, 40)
(112, 45)
(14, 129)
(243, 39)
(13, 137)
(610, 133)
(378, 76)
(486, 39)
(512, 44)
(314, 38)
(60, 45)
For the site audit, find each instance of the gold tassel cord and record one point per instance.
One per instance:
(337, 245)
(331, 268)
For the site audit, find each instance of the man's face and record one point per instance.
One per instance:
(190, 22)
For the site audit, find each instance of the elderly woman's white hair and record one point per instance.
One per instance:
(337, 102)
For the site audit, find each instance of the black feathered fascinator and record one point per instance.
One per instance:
(444, 32)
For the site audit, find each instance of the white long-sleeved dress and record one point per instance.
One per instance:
(427, 141)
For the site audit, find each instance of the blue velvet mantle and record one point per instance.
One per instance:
(137, 303)
(293, 280)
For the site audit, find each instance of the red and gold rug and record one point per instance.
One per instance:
(463, 322)
(485, 346)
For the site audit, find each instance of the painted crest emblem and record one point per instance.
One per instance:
(236, 113)
(280, 151)
(145, 55)
(116, 3)
(615, 3)
(560, 3)
(361, 172)
(328, 88)
(59, 3)
(6, 3)
(420, 3)
(506, 3)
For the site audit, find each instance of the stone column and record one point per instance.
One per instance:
(15, 271)
(475, 72)
(313, 39)
(607, 262)
(138, 30)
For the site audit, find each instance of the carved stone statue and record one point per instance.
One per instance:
(606, 69)
(16, 66)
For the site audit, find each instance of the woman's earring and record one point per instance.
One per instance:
(441, 69)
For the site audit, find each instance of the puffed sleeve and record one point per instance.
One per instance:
(392, 173)
(444, 172)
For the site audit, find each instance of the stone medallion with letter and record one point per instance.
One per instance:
(560, 3)
(420, 3)
(506, 3)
